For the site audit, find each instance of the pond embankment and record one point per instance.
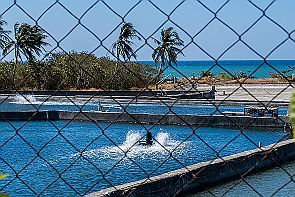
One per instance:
(171, 119)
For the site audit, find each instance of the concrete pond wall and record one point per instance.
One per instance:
(199, 120)
(29, 115)
(172, 119)
(153, 94)
(203, 175)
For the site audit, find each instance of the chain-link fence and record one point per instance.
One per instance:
(146, 98)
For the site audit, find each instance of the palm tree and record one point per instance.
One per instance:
(167, 50)
(4, 38)
(29, 40)
(122, 47)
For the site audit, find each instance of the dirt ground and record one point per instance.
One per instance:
(251, 92)
(268, 89)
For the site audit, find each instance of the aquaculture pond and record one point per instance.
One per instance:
(63, 158)
(29, 102)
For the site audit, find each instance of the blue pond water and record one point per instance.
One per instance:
(89, 159)
(91, 156)
(29, 102)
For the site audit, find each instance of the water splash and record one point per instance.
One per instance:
(162, 144)
(24, 99)
(162, 138)
(31, 100)
(131, 139)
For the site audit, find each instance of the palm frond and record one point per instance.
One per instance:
(4, 38)
(29, 41)
(122, 46)
(7, 47)
(167, 49)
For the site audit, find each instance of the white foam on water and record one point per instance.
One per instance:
(112, 106)
(31, 99)
(162, 144)
(24, 99)
(67, 103)
(145, 105)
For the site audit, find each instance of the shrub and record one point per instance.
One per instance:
(241, 74)
(207, 74)
(76, 71)
(224, 76)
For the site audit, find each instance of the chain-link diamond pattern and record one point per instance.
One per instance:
(82, 172)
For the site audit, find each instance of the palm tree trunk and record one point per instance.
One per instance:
(14, 67)
(116, 69)
(37, 73)
(16, 55)
(158, 76)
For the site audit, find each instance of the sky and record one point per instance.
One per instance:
(92, 26)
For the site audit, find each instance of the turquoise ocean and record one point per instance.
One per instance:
(257, 68)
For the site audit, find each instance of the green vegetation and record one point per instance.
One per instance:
(242, 75)
(122, 47)
(288, 73)
(75, 70)
(166, 51)
(2, 176)
(224, 76)
(80, 70)
(206, 74)
(275, 75)
(28, 40)
(4, 38)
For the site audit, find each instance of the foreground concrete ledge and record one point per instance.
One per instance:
(205, 174)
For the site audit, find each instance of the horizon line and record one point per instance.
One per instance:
(222, 60)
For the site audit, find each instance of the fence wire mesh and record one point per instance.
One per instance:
(77, 107)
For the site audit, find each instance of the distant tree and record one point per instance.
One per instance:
(224, 76)
(28, 40)
(207, 73)
(122, 46)
(4, 38)
(166, 51)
